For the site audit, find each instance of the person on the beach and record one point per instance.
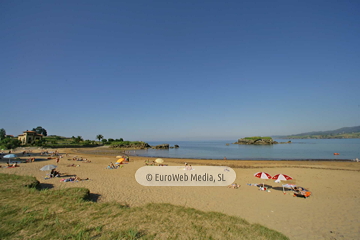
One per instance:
(54, 173)
(262, 188)
(234, 185)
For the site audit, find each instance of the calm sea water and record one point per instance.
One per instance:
(301, 149)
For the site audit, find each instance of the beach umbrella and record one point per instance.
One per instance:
(262, 175)
(10, 156)
(120, 160)
(281, 177)
(159, 160)
(48, 167)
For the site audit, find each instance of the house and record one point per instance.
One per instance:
(29, 137)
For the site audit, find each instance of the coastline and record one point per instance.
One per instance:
(329, 181)
(108, 151)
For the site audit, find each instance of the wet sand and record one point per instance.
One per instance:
(332, 212)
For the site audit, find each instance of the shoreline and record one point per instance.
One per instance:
(107, 151)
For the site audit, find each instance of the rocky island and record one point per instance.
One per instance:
(258, 141)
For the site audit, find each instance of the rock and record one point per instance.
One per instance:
(176, 146)
(258, 141)
(255, 141)
(161, 146)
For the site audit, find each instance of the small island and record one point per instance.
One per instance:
(258, 141)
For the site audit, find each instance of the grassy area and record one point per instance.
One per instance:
(128, 144)
(255, 138)
(64, 142)
(326, 136)
(29, 213)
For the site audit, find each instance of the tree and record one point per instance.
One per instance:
(40, 143)
(78, 139)
(99, 137)
(104, 141)
(10, 143)
(40, 130)
(2, 134)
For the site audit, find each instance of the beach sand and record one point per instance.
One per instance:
(332, 212)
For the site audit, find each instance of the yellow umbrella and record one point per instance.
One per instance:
(120, 160)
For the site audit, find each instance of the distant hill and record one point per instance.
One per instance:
(345, 132)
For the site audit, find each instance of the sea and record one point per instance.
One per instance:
(298, 149)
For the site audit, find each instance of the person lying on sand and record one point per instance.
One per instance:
(80, 179)
(153, 163)
(301, 192)
(188, 167)
(254, 184)
(73, 165)
(12, 165)
(73, 179)
(234, 185)
(111, 166)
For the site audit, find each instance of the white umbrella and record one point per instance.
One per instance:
(10, 156)
(159, 160)
(48, 167)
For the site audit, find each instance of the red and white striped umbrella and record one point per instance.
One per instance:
(282, 177)
(262, 175)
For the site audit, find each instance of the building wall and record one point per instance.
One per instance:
(28, 138)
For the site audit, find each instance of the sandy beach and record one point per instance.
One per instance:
(332, 212)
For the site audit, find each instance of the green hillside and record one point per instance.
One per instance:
(346, 132)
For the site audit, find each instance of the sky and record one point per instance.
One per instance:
(179, 70)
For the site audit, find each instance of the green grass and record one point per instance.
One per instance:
(30, 213)
(127, 144)
(255, 138)
(326, 136)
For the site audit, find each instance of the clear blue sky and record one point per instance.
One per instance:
(179, 70)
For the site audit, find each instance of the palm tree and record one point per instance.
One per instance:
(79, 139)
(99, 137)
